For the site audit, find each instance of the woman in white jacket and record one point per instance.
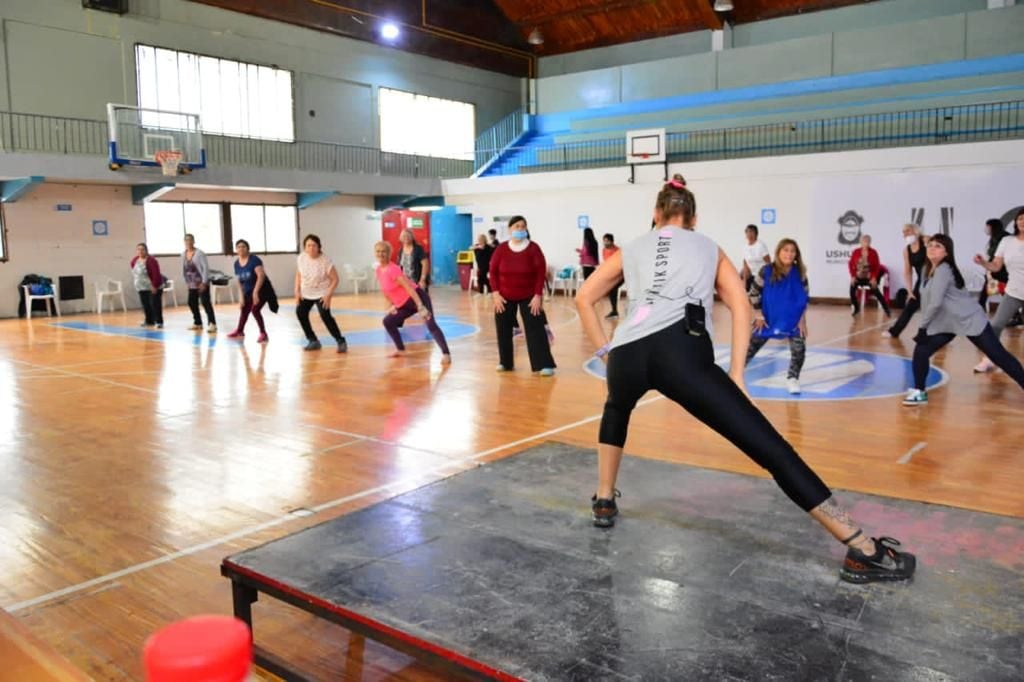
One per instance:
(196, 272)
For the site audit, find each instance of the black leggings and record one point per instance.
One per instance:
(194, 297)
(152, 306)
(303, 308)
(913, 305)
(682, 368)
(987, 342)
(875, 291)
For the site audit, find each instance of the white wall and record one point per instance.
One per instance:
(45, 241)
(808, 193)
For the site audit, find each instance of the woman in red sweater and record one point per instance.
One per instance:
(518, 272)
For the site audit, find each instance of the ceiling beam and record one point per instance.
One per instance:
(707, 14)
(541, 18)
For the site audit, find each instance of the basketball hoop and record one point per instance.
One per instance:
(169, 160)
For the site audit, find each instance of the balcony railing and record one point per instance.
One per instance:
(34, 133)
(943, 125)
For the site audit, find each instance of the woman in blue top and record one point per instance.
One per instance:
(780, 292)
(664, 344)
(947, 310)
(250, 276)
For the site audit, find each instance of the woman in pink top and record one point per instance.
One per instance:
(588, 254)
(406, 300)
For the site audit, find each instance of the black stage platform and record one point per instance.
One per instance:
(497, 573)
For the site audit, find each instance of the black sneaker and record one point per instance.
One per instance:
(605, 510)
(312, 345)
(612, 316)
(342, 346)
(887, 563)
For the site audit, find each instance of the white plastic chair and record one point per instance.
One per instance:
(29, 297)
(109, 288)
(354, 276)
(169, 286)
(214, 288)
(564, 279)
(863, 290)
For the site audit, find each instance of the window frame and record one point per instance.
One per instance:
(185, 227)
(5, 255)
(380, 123)
(291, 73)
(230, 234)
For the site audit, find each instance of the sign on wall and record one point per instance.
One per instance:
(100, 228)
(952, 203)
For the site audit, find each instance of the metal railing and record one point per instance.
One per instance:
(498, 137)
(34, 133)
(942, 125)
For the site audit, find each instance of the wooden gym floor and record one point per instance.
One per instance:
(131, 466)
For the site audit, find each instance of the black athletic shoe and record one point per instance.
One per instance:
(342, 346)
(605, 510)
(886, 564)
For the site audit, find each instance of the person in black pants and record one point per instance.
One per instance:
(996, 231)
(913, 262)
(947, 309)
(315, 281)
(665, 344)
(518, 273)
(482, 251)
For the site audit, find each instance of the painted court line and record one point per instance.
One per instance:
(911, 452)
(272, 523)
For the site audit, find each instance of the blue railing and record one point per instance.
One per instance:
(942, 125)
(498, 137)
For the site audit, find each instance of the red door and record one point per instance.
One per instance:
(394, 221)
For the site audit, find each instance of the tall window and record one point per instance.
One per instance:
(428, 126)
(268, 229)
(231, 98)
(168, 221)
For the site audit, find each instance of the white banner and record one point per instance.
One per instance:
(955, 203)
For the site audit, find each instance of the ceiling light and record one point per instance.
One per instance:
(535, 38)
(723, 5)
(389, 31)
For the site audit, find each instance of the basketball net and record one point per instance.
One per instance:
(169, 160)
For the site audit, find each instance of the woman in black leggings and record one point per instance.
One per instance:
(947, 310)
(665, 344)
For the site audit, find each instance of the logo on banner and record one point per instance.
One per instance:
(850, 231)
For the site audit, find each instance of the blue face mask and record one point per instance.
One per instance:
(519, 234)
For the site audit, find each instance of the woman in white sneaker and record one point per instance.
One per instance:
(1009, 253)
(779, 293)
(947, 309)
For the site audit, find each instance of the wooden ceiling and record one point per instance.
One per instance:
(492, 34)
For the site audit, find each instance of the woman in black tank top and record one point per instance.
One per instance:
(913, 262)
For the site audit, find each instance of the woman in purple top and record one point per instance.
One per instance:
(250, 276)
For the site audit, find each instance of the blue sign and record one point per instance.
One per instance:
(583, 222)
(478, 219)
(767, 216)
(62, 207)
(828, 374)
(99, 228)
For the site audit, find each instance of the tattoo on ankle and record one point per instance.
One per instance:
(833, 511)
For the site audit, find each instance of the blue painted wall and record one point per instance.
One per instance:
(450, 232)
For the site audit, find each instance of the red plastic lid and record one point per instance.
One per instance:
(199, 649)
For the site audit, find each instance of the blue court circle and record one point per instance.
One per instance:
(828, 374)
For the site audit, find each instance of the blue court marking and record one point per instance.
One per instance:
(414, 332)
(828, 374)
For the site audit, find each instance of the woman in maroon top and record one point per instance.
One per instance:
(518, 272)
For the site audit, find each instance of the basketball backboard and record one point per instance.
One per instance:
(138, 135)
(645, 146)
